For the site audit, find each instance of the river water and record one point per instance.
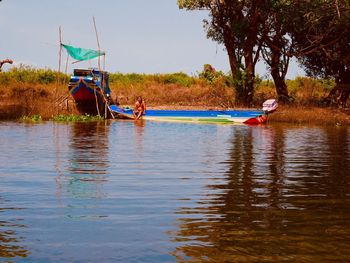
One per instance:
(124, 191)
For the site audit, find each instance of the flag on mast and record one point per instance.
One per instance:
(82, 54)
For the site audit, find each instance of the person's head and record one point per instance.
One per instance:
(139, 99)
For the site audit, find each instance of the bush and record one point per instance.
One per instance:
(179, 78)
(210, 74)
(27, 74)
(34, 118)
(127, 79)
(76, 118)
(306, 90)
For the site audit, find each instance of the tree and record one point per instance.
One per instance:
(236, 25)
(2, 62)
(277, 45)
(322, 42)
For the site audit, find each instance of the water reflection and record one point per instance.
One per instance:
(88, 159)
(10, 240)
(139, 129)
(285, 196)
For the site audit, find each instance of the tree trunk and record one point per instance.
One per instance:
(233, 61)
(278, 73)
(249, 53)
(339, 95)
(281, 86)
(248, 82)
(236, 72)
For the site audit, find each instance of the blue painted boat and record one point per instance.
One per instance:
(201, 116)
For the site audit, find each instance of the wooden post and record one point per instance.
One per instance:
(58, 82)
(99, 68)
(66, 69)
(60, 50)
(104, 62)
(98, 44)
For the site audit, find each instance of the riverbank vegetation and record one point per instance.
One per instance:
(25, 91)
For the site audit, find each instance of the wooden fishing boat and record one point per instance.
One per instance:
(202, 116)
(88, 87)
(90, 90)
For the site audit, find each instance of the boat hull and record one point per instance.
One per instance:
(201, 116)
(87, 95)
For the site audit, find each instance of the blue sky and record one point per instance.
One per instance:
(139, 36)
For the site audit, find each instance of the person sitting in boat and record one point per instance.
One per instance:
(140, 108)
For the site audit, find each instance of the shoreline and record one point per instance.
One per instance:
(41, 93)
(303, 115)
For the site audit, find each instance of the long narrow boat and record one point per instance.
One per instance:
(203, 116)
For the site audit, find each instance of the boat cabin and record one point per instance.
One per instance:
(98, 77)
(90, 90)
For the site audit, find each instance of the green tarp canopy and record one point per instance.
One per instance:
(81, 54)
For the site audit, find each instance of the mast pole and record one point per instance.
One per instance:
(98, 44)
(60, 49)
(58, 82)
(104, 62)
(99, 68)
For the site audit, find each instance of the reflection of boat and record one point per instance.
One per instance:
(203, 116)
(90, 90)
(88, 159)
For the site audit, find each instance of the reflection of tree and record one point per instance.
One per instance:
(226, 211)
(88, 162)
(275, 158)
(274, 201)
(10, 246)
(339, 163)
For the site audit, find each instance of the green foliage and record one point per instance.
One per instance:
(64, 118)
(34, 118)
(210, 74)
(76, 118)
(237, 25)
(179, 78)
(305, 83)
(328, 84)
(127, 79)
(27, 74)
(322, 36)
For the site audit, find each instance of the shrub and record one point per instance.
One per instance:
(210, 74)
(27, 74)
(34, 118)
(78, 118)
(179, 78)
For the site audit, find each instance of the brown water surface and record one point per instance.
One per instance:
(166, 192)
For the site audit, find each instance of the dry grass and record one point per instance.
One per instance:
(311, 115)
(24, 98)
(175, 95)
(19, 99)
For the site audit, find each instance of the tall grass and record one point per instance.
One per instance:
(303, 90)
(29, 91)
(26, 74)
(178, 78)
(307, 115)
(308, 91)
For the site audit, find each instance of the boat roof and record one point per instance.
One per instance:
(88, 72)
